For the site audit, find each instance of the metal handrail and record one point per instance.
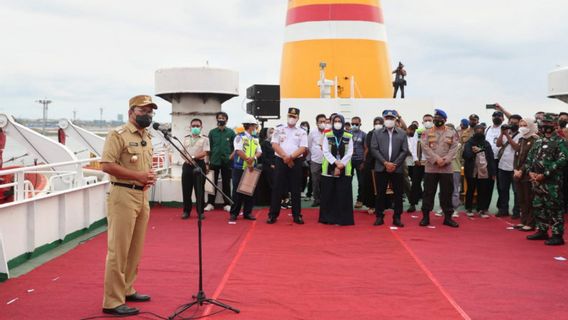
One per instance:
(45, 166)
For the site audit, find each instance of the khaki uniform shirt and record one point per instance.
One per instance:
(438, 144)
(124, 147)
(196, 145)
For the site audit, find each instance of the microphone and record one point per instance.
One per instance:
(162, 128)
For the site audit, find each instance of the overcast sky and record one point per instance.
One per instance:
(89, 54)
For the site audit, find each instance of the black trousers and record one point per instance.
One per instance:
(417, 176)
(396, 87)
(189, 183)
(225, 172)
(286, 179)
(240, 199)
(396, 180)
(483, 187)
(355, 170)
(505, 183)
(431, 181)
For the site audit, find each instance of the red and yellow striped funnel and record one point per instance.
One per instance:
(348, 35)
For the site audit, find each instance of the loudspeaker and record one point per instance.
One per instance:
(264, 108)
(263, 92)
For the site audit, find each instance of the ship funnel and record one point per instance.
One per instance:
(349, 36)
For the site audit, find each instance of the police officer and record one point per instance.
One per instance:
(127, 158)
(247, 152)
(440, 145)
(545, 162)
(289, 143)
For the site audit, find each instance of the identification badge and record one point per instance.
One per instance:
(133, 144)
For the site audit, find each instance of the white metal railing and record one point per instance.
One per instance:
(28, 187)
(71, 179)
(162, 161)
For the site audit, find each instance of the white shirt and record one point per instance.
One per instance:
(508, 158)
(315, 139)
(238, 142)
(413, 148)
(491, 135)
(390, 143)
(332, 158)
(290, 139)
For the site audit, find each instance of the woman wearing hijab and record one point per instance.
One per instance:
(336, 189)
(369, 185)
(529, 134)
(478, 164)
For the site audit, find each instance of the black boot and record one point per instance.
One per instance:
(556, 240)
(380, 220)
(185, 215)
(425, 219)
(396, 221)
(539, 235)
(449, 222)
(411, 209)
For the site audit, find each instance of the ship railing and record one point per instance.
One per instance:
(29, 189)
(58, 180)
(161, 162)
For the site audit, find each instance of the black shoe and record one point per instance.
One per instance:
(122, 310)
(298, 220)
(315, 204)
(396, 222)
(425, 220)
(450, 223)
(271, 220)
(185, 215)
(249, 217)
(380, 221)
(411, 209)
(556, 240)
(502, 214)
(232, 219)
(539, 235)
(138, 297)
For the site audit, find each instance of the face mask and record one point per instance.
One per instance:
(562, 124)
(305, 128)
(321, 126)
(479, 136)
(269, 137)
(221, 123)
(355, 127)
(143, 121)
(439, 123)
(514, 127)
(328, 126)
(389, 124)
(497, 121)
(338, 126)
(378, 126)
(524, 130)
(195, 131)
(428, 124)
(410, 135)
(254, 132)
(547, 129)
(472, 125)
(292, 121)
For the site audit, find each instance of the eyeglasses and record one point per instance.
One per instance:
(144, 112)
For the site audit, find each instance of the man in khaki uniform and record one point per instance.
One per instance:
(127, 158)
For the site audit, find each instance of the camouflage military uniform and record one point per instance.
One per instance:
(548, 156)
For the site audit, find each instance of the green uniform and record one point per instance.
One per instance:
(548, 156)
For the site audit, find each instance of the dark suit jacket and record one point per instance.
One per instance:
(380, 148)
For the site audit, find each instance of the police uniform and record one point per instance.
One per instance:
(251, 147)
(548, 157)
(290, 139)
(128, 208)
(439, 143)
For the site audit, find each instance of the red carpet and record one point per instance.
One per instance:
(286, 271)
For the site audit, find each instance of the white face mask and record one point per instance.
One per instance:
(428, 124)
(338, 126)
(389, 124)
(378, 126)
(321, 126)
(524, 130)
(292, 121)
(328, 126)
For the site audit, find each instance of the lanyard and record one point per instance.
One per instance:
(337, 143)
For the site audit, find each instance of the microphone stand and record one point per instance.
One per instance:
(200, 298)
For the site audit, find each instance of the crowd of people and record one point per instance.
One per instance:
(524, 158)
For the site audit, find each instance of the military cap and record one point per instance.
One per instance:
(390, 113)
(550, 117)
(441, 113)
(141, 101)
(294, 112)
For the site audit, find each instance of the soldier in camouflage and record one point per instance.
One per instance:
(545, 163)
